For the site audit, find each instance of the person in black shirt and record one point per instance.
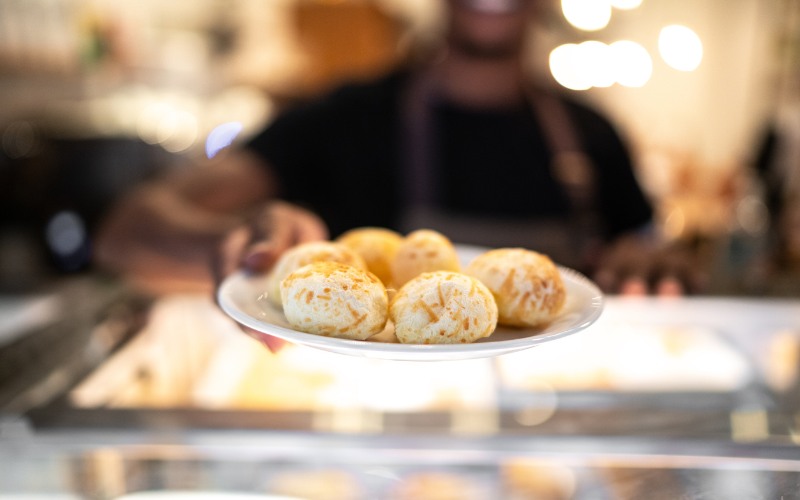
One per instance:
(466, 145)
(489, 172)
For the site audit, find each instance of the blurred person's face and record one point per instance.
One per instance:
(489, 28)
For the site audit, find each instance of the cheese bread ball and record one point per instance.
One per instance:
(526, 285)
(303, 254)
(423, 251)
(377, 246)
(335, 300)
(443, 307)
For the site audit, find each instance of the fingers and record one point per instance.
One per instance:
(670, 286)
(663, 271)
(271, 235)
(634, 286)
(636, 267)
(260, 257)
(624, 268)
(276, 226)
(273, 344)
(291, 225)
(227, 257)
(279, 227)
(309, 227)
(256, 246)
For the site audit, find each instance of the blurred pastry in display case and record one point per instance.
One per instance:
(377, 246)
(244, 375)
(159, 366)
(782, 359)
(644, 482)
(304, 254)
(320, 484)
(620, 357)
(528, 478)
(438, 485)
(191, 355)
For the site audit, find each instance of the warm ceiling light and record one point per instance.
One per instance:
(565, 66)
(632, 64)
(625, 4)
(587, 15)
(595, 59)
(680, 47)
(595, 64)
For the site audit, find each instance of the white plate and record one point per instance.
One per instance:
(242, 297)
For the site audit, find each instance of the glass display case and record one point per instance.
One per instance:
(660, 398)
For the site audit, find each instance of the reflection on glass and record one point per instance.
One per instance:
(221, 137)
(65, 233)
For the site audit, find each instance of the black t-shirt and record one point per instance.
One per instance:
(343, 156)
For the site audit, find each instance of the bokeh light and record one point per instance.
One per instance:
(67, 237)
(221, 137)
(626, 4)
(587, 15)
(566, 68)
(65, 232)
(595, 64)
(168, 124)
(595, 59)
(680, 47)
(632, 64)
(178, 131)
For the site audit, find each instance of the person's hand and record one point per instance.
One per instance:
(256, 246)
(640, 265)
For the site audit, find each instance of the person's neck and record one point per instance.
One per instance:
(481, 82)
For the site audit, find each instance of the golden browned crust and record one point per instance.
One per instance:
(377, 246)
(423, 251)
(443, 307)
(527, 285)
(335, 300)
(306, 253)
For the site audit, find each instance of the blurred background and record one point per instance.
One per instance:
(105, 392)
(98, 95)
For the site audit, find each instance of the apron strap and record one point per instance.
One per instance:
(418, 142)
(570, 166)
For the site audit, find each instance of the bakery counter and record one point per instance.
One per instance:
(89, 464)
(686, 356)
(690, 397)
